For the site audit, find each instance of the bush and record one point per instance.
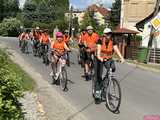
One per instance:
(9, 27)
(10, 91)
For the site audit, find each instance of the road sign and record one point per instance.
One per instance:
(156, 22)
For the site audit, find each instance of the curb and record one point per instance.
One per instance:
(144, 67)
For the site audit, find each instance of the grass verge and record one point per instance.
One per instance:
(27, 82)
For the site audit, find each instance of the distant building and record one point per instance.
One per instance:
(145, 26)
(76, 14)
(133, 11)
(101, 14)
(150, 28)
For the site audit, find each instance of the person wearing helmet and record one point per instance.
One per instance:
(44, 41)
(81, 47)
(90, 40)
(58, 48)
(105, 47)
(66, 39)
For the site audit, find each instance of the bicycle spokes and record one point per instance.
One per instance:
(113, 95)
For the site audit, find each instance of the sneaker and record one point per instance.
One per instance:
(56, 76)
(98, 94)
(87, 77)
(51, 74)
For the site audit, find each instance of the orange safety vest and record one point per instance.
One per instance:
(66, 38)
(106, 51)
(58, 46)
(45, 39)
(23, 35)
(36, 36)
(91, 40)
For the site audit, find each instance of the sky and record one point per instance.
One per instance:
(82, 4)
(21, 3)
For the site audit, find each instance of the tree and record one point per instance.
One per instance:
(45, 11)
(29, 13)
(88, 20)
(115, 14)
(8, 8)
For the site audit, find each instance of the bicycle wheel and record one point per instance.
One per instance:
(113, 95)
(63, 79)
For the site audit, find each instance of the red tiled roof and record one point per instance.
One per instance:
(124, 31)
(96, 8)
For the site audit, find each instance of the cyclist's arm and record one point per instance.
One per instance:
(40, 40)
(115, 47)
(99, 52)
(66, 47)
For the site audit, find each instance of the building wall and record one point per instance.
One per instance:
(146, 36)
(136, 10)
(100, 18)
(79, 15)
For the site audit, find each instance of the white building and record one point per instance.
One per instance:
(146, 25)
(76, 14)
(101, 14)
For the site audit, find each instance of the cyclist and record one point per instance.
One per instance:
(58, 48)
(90, 40)
(105, 47)
(21, 37)
(35, 41)
(44, 40)
(81, 47)
(24, 41)
(66, 39)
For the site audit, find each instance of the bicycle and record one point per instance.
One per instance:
(39, 50)
(35, 47)
(90, 64)
(45, 54)
(80, 56)
(24, 46)
(108, 88)
(62, 76)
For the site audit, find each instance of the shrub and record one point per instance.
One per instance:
(9, 27)
(10, 91)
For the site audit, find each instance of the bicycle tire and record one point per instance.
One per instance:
(109, 104)
(63, 79)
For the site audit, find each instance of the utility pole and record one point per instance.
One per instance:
(122, 14)
(70, 20)
(152, 29)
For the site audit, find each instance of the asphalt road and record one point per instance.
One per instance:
(140, 89)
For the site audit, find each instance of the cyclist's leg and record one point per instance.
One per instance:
(98, 76)
(86, 66)
(20, 41)
(54, 59)
(27, 46)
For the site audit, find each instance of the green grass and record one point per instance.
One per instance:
(27, 82)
